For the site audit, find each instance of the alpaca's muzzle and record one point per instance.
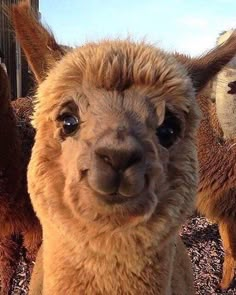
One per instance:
(118, 166)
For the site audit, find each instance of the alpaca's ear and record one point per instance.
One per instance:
(204, 68)
(39, 45)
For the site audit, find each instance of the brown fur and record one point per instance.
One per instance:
(216, 192)
(17, 217)
(100, 235)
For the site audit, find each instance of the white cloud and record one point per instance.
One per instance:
(226, 23)
(195, 45)
(199, 33)
(194, 21)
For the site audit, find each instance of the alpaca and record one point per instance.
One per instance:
(113, 171)
(216, 198)
(17, 218)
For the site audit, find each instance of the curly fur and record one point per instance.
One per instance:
(216, 189)
(216, 151)
(216, 192)
(17, 218)
(120, 91)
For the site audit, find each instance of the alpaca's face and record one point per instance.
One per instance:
(112, 123)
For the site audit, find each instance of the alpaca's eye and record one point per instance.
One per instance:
(70, 123)
(169, 131)
(232, 86)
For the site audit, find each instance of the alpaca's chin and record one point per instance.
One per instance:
(136, 210)
(90, 204)
(117, 209)
(116, 199)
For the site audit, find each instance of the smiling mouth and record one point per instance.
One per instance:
(114, 198)
(111, 199)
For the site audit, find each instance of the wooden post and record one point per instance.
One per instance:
(18, 70)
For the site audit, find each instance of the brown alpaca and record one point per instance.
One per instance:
(17, 218)
(113, 172)
(216, 197)
(216, 194)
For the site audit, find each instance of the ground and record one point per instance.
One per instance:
(205, 250)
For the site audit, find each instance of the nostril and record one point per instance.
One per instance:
(134, 158)
(120, 157)
(104, 158)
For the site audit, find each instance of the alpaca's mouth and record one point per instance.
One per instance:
(117, 198)
(114, 198)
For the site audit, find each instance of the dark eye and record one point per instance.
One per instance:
(232, 86)
(169, 131)
(70, 123)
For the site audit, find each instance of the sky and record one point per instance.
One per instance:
(187, 26)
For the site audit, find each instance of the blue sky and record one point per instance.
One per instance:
(189, 26)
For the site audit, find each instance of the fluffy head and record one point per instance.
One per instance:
(119, 93)
(115, 125)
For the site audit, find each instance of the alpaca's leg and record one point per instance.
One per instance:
(228, 236)
(9, 256)
(31, 241)
(36, 281)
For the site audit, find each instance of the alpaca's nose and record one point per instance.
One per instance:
(117, 167)
(119, 158)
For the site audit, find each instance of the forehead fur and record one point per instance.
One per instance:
(117, 66)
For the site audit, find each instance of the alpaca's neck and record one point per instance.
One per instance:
(82, 270)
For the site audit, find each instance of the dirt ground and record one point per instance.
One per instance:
(204, 247)
(205, 250)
